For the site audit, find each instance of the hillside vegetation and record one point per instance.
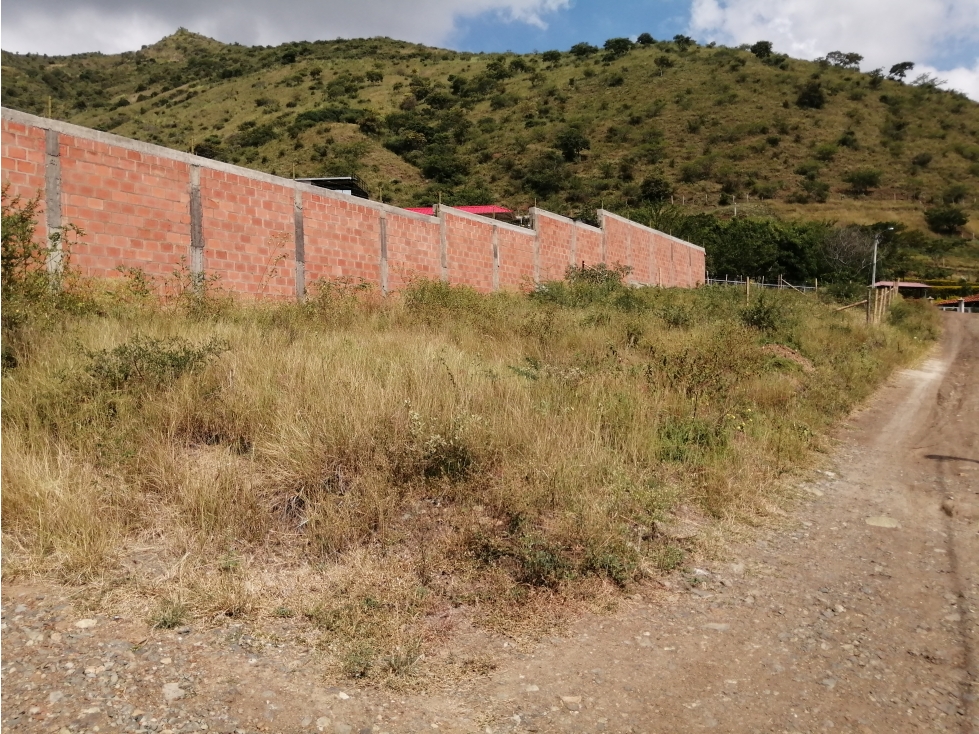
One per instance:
(629, 127)
(367, 464)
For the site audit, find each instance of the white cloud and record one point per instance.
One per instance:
(884, 31)
(111, 26)
(962, 79)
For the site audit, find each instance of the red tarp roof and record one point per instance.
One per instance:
(483, 209)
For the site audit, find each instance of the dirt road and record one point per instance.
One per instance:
(861, 614)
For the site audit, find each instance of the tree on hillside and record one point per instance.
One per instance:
(683, 42)
(571, 141)
(551, 57)
(762, 49)
(862, 180)
(899, 71)
(654, 189)
(583, 49)
(545, 174)
(955, 193)
(844, 60)
(811, 95)
(927, 81)
(664, 62)
(946, 219)
(616, 47)
(645, 39)
(848, 250)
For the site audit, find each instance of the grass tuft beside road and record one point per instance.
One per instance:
(364, 464)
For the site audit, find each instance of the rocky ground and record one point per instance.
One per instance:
(858, 615)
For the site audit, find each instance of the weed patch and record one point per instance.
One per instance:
(394, 458)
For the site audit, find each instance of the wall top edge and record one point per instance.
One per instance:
(602, 213)
(78, 131)
(535, 211)
(485, 220)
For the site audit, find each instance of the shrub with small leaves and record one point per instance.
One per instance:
(764, 314)
(171, 614)
(146, 361)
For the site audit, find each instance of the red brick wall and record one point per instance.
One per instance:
(516, 257)
(413, 248)
(588, 245)
(469, 240)
(133, 207)
(342, 238)
(617, 236)
(133, 201)
(655, 258)
(555, 234)
(249, 237)
(23, 164)
(641, 244)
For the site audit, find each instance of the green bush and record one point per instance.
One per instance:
(946, 219)
(149, 362)
(765, 314)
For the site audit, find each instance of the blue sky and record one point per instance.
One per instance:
(940, 36)
(584, 20)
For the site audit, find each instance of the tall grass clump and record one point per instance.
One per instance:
(369, 462)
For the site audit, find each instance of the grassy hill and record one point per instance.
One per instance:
(711, 127)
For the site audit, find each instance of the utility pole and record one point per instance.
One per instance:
(873, 271)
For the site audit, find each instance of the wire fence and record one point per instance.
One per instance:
(780, 283)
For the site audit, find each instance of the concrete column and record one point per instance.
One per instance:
(574, 244)
(496, 259)
(651, 255)
(300, 241)
(52, 199)
(196, 225)
(383, 226)
(601, 223)
(630, 278)
(673, 283)
(536, 248)
(443, 248)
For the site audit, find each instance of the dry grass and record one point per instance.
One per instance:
(367, 465)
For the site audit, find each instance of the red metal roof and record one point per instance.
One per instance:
(482, 209)
(952, 301)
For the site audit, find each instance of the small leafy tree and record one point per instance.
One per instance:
(946, 219)
(899, 71)
(571, 142)
(551, 57)
(581, 50)
(29, 291)
(921, 160)
(862, 180)
(645, 39)
(683, 42)
(844, 60)
(546, 174)
(955, 193)
(876, 78)
(811, 96)
(655, 189)
(616, 47)
(762, 49)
